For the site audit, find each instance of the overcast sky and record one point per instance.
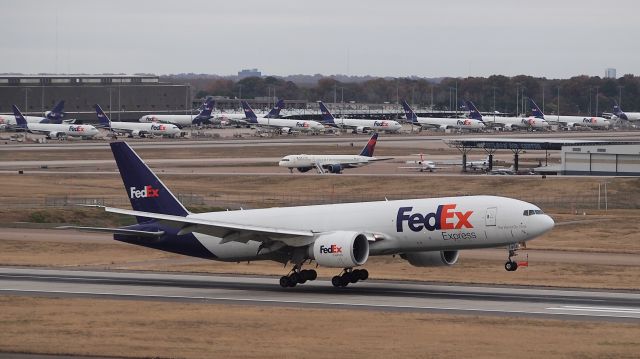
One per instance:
(555, 39)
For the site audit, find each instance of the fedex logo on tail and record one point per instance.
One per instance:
(145, 192)
(445, 217)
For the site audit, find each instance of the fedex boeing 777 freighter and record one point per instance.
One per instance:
(425, 232)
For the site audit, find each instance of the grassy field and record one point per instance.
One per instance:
(187, 330)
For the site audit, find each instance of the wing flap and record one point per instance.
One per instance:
(124, 231)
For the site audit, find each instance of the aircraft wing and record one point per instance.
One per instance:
(229, 232)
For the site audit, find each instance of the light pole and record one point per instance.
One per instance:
(597, 93)
(620, 96)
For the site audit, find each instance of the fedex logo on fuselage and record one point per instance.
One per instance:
(445, 217)
(76, 128)
(464, 122)
(380, 123)
(302, 124)
(589, 120)
(145, 192)
(155, 127)
(332, 249)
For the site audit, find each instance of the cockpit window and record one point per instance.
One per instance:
(531, 212)
(285, 160)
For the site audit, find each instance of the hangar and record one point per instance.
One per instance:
(601, 160)
(578, 157)
(124, 97)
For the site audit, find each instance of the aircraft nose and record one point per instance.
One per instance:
(542, 223)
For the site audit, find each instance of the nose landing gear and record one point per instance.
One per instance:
(349, 275)
(512, 265)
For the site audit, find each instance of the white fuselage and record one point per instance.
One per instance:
(289, 125)
(362, 124)
(62, 130)
(311, 161)
(10, 120)
(631, 116)
(403, 226)
(156, 129)
(516, 122)
(444, 123)
(572, 121)
(180, 120)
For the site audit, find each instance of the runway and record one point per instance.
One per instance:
(370, 295)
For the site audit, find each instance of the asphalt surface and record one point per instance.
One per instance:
(368, 295)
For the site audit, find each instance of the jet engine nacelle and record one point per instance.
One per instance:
(334, 168)
(135, 133)
(359, 129)
(286, 130)
(304, 169)
(54, 134)
(431, 258)
(341, 249)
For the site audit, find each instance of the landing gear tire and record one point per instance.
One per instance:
(337, 281)
(511, 266)
(285, 282)
(361, 274)
(309, 274)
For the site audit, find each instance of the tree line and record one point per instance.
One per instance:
(580, 95)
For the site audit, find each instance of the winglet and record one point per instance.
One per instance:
(20, 120)
(535, 110)
(367, 151)
(327, 117)
(145, 190)
(248, 112)
(411, 116)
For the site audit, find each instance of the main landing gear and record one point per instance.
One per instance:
(349, 275)
(512, 265)
(297, 276)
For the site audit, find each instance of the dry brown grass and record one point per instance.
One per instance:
(188, 330)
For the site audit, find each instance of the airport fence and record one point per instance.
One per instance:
(571, 203)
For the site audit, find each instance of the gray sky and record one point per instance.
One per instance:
(555, 39)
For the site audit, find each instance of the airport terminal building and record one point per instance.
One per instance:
(124, 97)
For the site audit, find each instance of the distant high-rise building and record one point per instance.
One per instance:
(249, 73)
(610, 73)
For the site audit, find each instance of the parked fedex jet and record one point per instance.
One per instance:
(134, 129)
(270, 120)
(425, 232)
(629, 116)
(358, 125)
(53, 130)
(184, 120)
(441, 122)
(509, 123)
(570, 121)
(332, 163)
(54, 116)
